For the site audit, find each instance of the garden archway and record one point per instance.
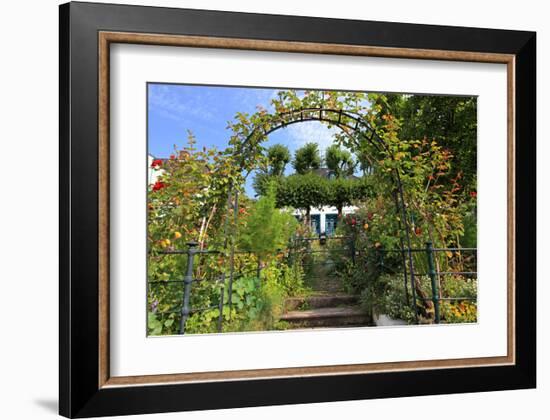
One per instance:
(249, 136)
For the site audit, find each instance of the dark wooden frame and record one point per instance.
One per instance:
(86, 29)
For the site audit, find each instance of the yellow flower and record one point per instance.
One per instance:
(366, 226)
(177, 235)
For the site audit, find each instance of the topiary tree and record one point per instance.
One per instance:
(342, 192)
(339, 161)
(307, 159)
(303, 192)
(278, 157)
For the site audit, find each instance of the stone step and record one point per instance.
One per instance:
(320, 301)
(343, 316)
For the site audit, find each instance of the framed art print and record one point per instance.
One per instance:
(262, 209)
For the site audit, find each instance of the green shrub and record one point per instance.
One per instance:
(457, 311)
(387, 296)
(267, 229)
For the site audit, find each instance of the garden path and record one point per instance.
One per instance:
(327, 305)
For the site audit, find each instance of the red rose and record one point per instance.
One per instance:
(159, 185)
(473, 194)
(370, 215)
(353, 222)
(156, 163)
(172, 157)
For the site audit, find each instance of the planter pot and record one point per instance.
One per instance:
(383, 320)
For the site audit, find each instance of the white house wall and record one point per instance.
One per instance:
(323, 212)
(152, 174)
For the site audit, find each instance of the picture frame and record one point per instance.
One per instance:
(87, 31)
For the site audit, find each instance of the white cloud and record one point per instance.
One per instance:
(311, 132)
(170, 103)
(251, 98)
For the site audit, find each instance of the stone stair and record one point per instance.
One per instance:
(324, 310)
(320, 300)
(327, 306)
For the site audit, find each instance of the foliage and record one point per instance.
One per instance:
(386, 296)
(456, 311)
(459, 286)
(306, 159)
(343, 192)
(262, 181)
(375, 224)
(434, 188)
(278, 156)
(187, 202)
(202, 178)
(418, 185)
(303, 191)
(423, 169)
(451, 121)
(258, 301)
(339, 161)
(310, 190)
(267, 229)
(469, 221)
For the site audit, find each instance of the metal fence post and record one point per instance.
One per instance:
(380, 258)
(352, 250)
(187, 281)
(432, 274)
(220, 304)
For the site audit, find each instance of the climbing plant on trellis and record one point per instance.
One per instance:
(362, 128)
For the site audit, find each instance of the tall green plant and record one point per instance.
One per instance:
(267, 229)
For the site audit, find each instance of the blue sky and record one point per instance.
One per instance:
(206, 110)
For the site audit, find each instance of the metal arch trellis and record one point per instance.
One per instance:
(344, 120)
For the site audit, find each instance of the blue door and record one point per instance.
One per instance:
(330, 224)
(316, 223)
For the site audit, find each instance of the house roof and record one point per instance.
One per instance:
(325, 173)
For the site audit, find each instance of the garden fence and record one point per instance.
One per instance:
(301, 247)
(224, 280)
